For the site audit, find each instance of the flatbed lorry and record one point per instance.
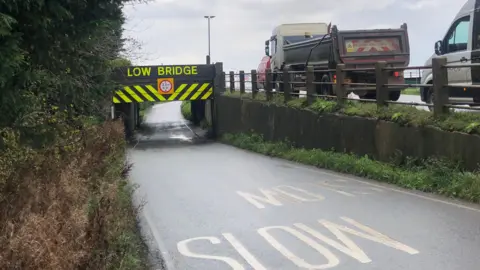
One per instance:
(357, 49)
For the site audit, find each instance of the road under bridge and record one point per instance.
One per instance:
(213, 206)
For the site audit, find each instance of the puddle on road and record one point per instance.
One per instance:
(181, 137)
(168, 134)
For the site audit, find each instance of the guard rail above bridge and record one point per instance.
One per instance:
(440, 85)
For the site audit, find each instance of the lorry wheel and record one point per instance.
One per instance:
(260, 86)
(394, 95)
(278, 83)
(324, 89)
(370, 96)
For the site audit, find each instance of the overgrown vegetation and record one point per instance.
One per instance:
(64, 200)
(467, 122)
(144, 106)
(67, 206)
(430, 175)
(186, 110)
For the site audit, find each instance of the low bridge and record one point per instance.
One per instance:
(137, 84)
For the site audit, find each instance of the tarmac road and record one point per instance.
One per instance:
(212, 206)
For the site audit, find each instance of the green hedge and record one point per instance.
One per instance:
(430, 175)
(186, 110)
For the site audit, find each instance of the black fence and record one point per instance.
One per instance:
(439, 87)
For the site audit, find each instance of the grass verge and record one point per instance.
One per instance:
(430, 175)
(411, 91)
(466, 122)
(69, 205)
(186, 110)
(144, 106)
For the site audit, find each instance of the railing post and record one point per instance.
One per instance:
(254, 83)
(287, 86)
(218, 88)
(223, 81)
(340, 88)
(268, 84)
(310, 74)
(242, 82)
(381, 80)
(440, 82)
(232, 82)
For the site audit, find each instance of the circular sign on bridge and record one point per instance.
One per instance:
(165, 86)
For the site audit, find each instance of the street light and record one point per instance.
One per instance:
(208, 18)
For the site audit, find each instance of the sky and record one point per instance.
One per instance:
(176, 32)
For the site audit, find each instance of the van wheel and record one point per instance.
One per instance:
(430, 98)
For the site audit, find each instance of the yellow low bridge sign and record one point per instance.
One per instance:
(164, 83)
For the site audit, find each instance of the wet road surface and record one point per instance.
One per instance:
(212, 206)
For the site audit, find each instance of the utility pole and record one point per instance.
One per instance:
(209, 17)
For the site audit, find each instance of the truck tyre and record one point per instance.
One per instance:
(260, 86)
(394, 95)
(278, 83)
(324, 89)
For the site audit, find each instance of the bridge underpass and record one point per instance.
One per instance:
(164, 126)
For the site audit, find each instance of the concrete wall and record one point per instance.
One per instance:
(379, 139)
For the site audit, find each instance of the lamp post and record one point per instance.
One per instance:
(209, 17)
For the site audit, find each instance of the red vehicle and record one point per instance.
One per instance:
(262, 67)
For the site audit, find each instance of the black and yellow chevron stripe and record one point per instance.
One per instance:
(149, 93)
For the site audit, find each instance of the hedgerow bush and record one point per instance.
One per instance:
(64, 199)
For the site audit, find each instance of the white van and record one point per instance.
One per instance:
(460, 45)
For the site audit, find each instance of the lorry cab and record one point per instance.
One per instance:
(290, 33)
(460, 45)
(282, 35)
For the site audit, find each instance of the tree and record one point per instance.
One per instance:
(57, 53)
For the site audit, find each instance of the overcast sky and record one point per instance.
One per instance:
(175, 31)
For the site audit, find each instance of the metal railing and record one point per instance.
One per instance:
(381, 86)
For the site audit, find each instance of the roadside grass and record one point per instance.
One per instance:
(144, 106)
(411, 91)
(405, 115)
(69, 205)
(186, 110)
(431, 175)
(187, 114)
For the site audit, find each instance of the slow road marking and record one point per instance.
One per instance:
(277, 196)
(274, 196)
(324, 245)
